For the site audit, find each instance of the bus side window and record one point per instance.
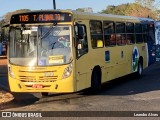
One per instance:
(96, 34)
(145, 32)
(81, 41)
(112, 39)
(120, 33)
(130, 37)
(109, 33)
(138, 33)
(151, 32)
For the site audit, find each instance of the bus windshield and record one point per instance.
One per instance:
(40, 45)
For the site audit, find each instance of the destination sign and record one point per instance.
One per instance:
(39, 17)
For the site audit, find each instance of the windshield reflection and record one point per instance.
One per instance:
(42, 46)
(55, 48)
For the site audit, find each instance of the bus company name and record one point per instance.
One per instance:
(40, 17)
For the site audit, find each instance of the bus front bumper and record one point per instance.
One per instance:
(59, 86)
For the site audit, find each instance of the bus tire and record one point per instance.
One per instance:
(95, 81)
(140, 69)
(44, 94)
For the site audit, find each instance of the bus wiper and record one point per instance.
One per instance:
(48, 32)
(53, 44)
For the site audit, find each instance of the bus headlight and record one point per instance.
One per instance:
(67, 71)
(10, 71)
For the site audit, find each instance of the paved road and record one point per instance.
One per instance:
(124, 94)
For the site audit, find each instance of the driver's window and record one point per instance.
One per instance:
(82, 44)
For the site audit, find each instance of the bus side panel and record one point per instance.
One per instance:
(119, 63)
(151, 57)
(83, 73)
(83, 65)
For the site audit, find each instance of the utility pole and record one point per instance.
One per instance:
(54, 4)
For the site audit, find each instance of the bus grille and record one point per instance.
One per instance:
(39, 79)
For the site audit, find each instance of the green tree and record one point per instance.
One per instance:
(118, 10)
(146, 3)
(5, 20)
(9, 14)
(88, 9)
(132, 9)
(80, 9)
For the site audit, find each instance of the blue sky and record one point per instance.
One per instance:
(97, 5)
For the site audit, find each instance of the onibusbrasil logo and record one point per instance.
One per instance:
(135, 57)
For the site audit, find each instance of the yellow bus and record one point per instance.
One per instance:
(64, 51)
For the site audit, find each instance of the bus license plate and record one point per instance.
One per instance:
(37, 86)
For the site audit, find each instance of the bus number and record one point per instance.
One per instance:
(23, 18)
(58, 16)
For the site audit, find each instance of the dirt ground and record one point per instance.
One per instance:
(4, 95)
(3, 61)
(3, 65)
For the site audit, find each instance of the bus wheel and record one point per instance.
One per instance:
(140, 69)
(44, 94)
(95, 81)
